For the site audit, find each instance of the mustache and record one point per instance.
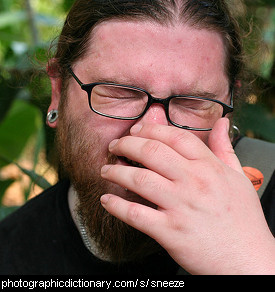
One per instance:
(111, 158)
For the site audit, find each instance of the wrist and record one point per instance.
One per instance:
(262, 259)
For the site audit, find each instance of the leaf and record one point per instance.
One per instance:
(46, 20)
(36, 178)
(40, 140)
(22, 121)
(11, 18)
(7, 96)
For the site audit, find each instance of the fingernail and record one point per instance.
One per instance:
(113, 143)
(135, 129)
(105, 168)
(104, 199)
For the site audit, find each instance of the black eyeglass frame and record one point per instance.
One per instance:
(151, 100)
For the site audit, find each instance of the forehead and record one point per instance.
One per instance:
(147, 53)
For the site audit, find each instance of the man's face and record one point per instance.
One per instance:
(164, 60)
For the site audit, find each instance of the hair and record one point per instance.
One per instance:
(210, 14)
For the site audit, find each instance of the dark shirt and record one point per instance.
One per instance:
(41, 238)
(268, 203)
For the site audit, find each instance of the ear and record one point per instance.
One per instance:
(56, 84)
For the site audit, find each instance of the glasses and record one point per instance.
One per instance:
(125, 102)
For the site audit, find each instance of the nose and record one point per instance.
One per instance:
(154, 115)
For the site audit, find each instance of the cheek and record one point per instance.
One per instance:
(107, 129)
(203, 136)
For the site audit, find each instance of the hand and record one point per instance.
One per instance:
(208, 215)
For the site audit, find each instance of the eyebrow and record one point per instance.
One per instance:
(198, 93)
(125, 82)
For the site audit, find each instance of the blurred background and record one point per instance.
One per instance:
(29, 27)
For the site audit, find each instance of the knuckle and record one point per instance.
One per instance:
(141, 177)
(217, 167)
(150, 147)
(122, 142)
(175, 225)
(133, 213)
(177, 138)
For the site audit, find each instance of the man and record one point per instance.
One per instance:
(141, 96)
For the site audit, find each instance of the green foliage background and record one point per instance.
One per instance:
(27, 28)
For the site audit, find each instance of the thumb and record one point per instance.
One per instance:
(220, 144)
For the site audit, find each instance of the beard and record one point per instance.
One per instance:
(81, 156)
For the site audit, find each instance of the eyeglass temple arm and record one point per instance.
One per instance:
(75, 77)
(232, 97)
(229, 108)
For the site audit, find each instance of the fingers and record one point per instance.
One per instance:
(220, 144)
(162, 149)
(182, 141)
(145, 219)
(190, 146)
(153, 154)
(148, 184)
